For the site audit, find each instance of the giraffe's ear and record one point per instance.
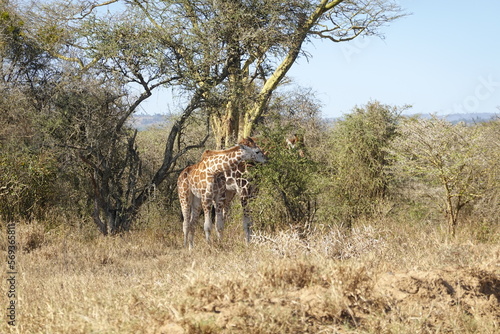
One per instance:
(248, 141)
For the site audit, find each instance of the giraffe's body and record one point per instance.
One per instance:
(204, 184)
(236, 182)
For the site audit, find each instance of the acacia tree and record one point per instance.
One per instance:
(88, 105)
(224, 57)
(440, 153)
(260, 40)
(255, 42)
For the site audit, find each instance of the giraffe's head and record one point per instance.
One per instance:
(251, 151)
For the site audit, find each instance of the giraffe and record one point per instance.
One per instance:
(202, 185)
(296, 142)
(236, 183)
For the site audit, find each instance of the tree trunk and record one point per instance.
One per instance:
(452, 220)
(225, 126)
(226, 123)
(257, 109)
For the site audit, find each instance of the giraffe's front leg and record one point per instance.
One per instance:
(190, 224)
(219, 220)
(207, 210)
(247, 221)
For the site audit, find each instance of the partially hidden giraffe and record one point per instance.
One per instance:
(203, 185)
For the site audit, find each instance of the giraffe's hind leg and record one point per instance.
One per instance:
(186, 200)
(221, 206)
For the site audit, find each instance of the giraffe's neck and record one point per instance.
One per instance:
(224, 162)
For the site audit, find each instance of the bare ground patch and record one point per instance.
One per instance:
(345, 299)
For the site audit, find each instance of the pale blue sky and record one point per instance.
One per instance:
(443, 58)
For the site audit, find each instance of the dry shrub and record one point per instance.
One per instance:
(335, 242)
(295, 274)
(32, 238)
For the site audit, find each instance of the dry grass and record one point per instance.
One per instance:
(377, 278)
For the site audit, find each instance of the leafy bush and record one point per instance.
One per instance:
(28, 184)
(355, 179)
(487, 208)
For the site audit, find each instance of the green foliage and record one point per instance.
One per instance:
(287, 194)
(28, 184)
(17, 47)
(28, 171)
(10, 26)
(50, 35)
(356, 178)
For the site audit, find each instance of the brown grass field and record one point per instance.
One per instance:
(380, 277)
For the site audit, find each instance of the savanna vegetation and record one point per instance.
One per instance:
(375, 222)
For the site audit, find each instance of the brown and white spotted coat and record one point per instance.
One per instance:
(204, 184)
(237, 182)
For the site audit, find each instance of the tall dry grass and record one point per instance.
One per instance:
(380, 277)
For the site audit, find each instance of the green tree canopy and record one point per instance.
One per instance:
(358, 159)
(232, 53)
